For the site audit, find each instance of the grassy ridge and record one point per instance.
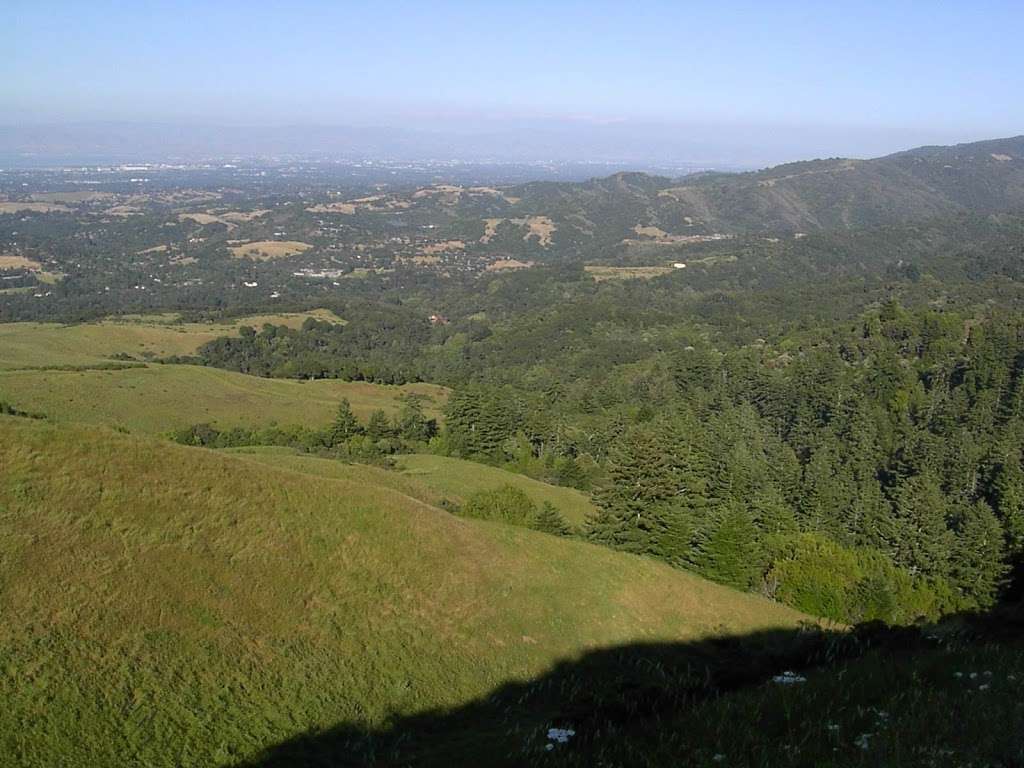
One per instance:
(158, 398)
(154, 398)
(458, 479)
(429, 478)
(166, 605)
(34, 345)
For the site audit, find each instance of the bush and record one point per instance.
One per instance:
(823, 578)
(506, 504)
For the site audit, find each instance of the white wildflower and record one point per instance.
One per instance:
(984, 687)
(789, 678)
(718, 758)
(863, 741)
(560, 735)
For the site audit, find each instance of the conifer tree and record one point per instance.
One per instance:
(919, 538)
(978, 563)
(345, 424)
(730, 552)
(550, 520)
(378, 426)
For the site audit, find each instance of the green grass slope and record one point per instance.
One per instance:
(458, 479)
(34, 345)
(170, 606)
(157, 398)
(427, 477)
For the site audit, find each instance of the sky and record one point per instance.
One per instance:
(862, 75)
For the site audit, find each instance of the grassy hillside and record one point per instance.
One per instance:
(429, 478)
(157, 398)
(457, 479)
(34, 345)
(166, 605)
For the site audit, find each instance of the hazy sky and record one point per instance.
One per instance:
(932, 70)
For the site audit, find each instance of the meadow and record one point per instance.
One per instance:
(155, 399)
(92, 373)
(430, 478)
(166, 605)
(35, 345)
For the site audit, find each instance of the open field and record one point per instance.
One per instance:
(32, 208)
(157, 398)
(600, 272)
(429, 478)
(9, 261)
(31, 345)
(263, 250)
(458, 479)
(169, 606)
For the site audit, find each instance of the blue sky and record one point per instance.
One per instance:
(930, 69)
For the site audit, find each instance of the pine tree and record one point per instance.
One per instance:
(378, 426)
(730, 551)
(640, 475)
(550, 520)
(919, 538)
(345, 425)
(978, 564)
(1008, 497)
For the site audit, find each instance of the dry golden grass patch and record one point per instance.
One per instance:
(346, 208)
(32, 208)
(601, 272)
(205, 219)
(124, 210)
(240, 217)
(540, 226)
(71, 197)
(10, 261)
(264, 250)
(508, 264)
(442, 247)
(650, 231)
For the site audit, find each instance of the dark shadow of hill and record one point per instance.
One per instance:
(610, 691)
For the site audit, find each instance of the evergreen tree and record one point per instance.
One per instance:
(378, 426)
(345, 425)
(978, 564)
(919, 538)
(550, 520)
(730, 551)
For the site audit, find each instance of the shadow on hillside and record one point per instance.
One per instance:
(616, 690)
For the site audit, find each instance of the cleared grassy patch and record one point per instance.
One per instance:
(169, 606)
(11, 261)
(599, 272)
(458, 479)
(29, 345)
(17, 207)
(157, 398)
(263, 250)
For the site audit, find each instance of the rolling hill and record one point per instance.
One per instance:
(166, 605)
(816, 195)
(94, 373)
(431, 478)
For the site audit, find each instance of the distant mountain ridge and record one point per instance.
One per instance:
(984, 177)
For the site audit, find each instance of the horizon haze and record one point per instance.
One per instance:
(742, 86)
